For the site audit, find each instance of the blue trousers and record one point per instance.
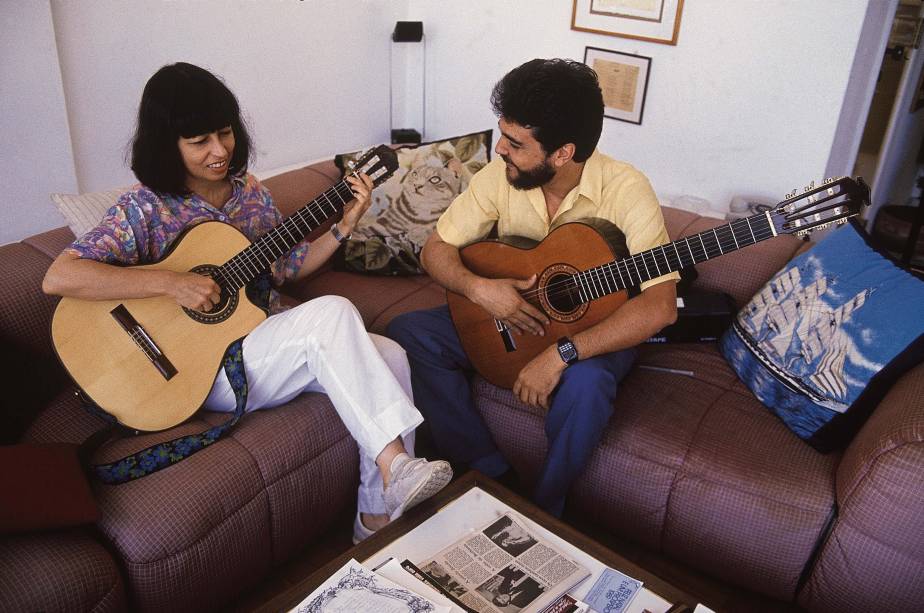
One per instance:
(440, 376)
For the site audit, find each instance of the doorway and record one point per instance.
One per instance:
(891, 150)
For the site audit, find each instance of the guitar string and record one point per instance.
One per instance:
(246, 263)
(595, 275)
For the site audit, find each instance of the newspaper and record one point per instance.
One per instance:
(503, 568)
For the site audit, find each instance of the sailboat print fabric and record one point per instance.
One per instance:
(824, 339)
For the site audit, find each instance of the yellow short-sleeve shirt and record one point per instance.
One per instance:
(609, 189)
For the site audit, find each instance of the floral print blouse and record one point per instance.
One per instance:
(142, 225)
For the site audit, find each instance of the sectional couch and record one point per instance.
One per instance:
(691, 466)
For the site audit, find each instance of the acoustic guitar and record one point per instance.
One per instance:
(151, 363)
(580, 283)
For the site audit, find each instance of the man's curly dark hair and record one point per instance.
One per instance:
(559, 100)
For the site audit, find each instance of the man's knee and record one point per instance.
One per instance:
(400, 327)
(410, 329)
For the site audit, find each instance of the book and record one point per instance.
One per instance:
(503, 566)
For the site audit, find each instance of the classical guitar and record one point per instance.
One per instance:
(149, 362)
(579, 283)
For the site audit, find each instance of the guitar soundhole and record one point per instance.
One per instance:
(226, 304)
(562, 293)
(560, 296)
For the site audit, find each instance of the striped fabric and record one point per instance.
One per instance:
(83, 211)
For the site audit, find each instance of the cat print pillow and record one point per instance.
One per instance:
(406, 207)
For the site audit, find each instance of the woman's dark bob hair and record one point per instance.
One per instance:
(183, 100)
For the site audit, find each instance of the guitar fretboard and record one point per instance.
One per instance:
(246, 265)
(621, 274)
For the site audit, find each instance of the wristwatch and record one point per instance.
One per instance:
(340, 237)
(567, 350)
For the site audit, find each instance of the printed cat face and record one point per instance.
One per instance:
(430, 187)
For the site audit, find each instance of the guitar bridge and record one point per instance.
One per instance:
(506, 335)
(144, 342)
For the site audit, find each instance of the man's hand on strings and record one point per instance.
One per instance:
(502, 299)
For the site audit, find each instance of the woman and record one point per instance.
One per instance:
(190, 153)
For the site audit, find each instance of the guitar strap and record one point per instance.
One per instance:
(168, 453)
(162, 455)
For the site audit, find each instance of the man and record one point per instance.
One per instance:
(548, 173)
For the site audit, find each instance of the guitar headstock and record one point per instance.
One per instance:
(378, 163)
(833, 202)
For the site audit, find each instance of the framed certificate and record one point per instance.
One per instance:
(624, 81)
(657, 21)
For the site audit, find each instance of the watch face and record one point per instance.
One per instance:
(567, 351)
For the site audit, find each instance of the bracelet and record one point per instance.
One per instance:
(340, 237)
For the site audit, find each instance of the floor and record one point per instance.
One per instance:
(711, 592)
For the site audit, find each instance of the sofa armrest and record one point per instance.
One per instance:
(879, 486)
(885, 463)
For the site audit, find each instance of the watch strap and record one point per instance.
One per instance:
(339, 235)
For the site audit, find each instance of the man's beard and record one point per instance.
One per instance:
(532, 178)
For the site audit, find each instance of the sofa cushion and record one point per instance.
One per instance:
(880, 493)
(823, 341)
(405, 208)
(62, 570)
(262, 492)
(371, 295)
(686, 457)
(84, 211)
(740, 273)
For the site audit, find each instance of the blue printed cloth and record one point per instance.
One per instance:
(821, 343)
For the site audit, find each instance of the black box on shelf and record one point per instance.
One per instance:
(702, 317)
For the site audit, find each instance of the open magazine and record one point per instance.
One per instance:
(503, 568)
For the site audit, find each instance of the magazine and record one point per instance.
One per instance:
(356, 588)
(503, 568)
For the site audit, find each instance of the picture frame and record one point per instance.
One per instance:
(656, 21)
(624, 81)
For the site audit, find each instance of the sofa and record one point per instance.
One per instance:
(691, 466)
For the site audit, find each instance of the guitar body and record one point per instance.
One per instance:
(111, 368)
(580, 282)
(566, 250)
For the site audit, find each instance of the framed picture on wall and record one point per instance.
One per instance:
(624, 81)
(656, 21)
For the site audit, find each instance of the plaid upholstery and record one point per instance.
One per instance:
(694, 467)
(370, 294)
(215, 523)
(739, 274)
(51, 243)
(65, 570)
(881, 470)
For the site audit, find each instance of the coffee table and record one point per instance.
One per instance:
(467, 503)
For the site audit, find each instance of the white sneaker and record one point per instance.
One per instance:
(413, 480)
(360, 531)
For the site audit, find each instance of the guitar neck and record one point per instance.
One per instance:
(621, 274)
(246, 265)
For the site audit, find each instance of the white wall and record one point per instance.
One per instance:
(312, 77)
(35, 155)
(747, 102)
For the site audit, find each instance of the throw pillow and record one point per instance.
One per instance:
(823, 341)
(43, 487)
(405, 208)
(84, 211)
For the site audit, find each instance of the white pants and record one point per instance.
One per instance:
(322, 346)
